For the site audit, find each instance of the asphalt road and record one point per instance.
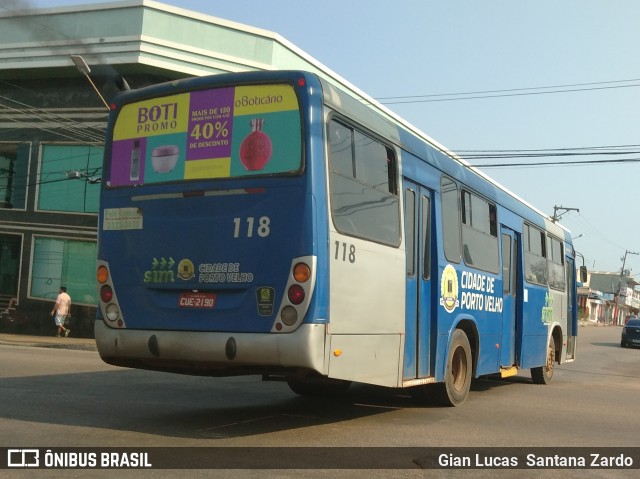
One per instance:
(53, 397)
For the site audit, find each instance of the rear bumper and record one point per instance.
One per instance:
(211, 353)
(631, 340)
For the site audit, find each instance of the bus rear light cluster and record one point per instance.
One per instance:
(108, 302)
(299, 291)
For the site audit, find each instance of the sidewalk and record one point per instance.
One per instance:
(81, 344)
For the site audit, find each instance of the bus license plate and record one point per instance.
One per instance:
(197, 300)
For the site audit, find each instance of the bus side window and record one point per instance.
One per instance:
(426, 224)
(535, 262)
(506, 263)
(364, 195)
(374, 163)
(410, 229)
(450, 219)
(479, 233)
(556, 263)
(340, 139)
(391, 171)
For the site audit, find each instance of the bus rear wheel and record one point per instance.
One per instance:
(544, 374)
(457, 378)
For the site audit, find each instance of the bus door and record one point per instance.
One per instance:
(572, 311)
(510, 325)
(417, 347)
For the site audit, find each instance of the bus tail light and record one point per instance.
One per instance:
(106, 293)
(289, 315)
(301, 272)
(113, 312)
(102, 274)
(109, 306)
(296, 294)
(299, 290)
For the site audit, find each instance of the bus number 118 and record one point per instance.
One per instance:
(346, 255)
(262, 228)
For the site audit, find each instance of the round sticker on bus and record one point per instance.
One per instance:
(449, 289)
(186, 270)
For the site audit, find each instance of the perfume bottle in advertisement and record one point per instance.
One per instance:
(134, 172)
(255, 149)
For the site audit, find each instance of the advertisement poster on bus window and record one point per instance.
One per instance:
(217, 133)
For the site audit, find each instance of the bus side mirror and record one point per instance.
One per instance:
(583, 274)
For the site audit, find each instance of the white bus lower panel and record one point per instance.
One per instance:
(366, 358)
(213, 353)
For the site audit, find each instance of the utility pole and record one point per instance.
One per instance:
(557, 216)
(624, 260)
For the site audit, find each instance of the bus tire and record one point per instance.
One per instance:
(459, 369)
(544, 374)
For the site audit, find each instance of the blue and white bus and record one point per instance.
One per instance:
(270, 223)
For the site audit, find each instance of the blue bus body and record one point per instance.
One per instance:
(270, 223)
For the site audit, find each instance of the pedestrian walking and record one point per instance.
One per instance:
(61, 312)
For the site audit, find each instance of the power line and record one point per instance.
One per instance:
(557, 163)
(554, 149)
(511, 92)
(615, 151)
(570, 85)
(83, 131)
(543, 154)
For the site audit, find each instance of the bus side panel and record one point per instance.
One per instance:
(367, 358)
(367, 304)
(468, 298)
(535, 331)
(375, 278)
(569, 353)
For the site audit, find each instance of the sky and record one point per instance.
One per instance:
(482, 77)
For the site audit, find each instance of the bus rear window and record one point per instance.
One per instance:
(206, 134)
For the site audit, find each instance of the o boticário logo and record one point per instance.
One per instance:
(449, 289)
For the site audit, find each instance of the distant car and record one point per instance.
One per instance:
(631, 333)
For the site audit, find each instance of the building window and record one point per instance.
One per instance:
(364, 197)
(14, 167)
(69, 178)
(10, 246)
(61, 262)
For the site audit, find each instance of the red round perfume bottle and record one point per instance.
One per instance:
(255, 149)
